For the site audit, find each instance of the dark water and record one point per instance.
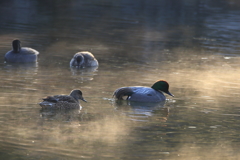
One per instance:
(194, 45)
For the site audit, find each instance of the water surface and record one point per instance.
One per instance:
(194, 45)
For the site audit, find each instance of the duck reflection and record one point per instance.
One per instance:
(23, 68)
(64, 115)
(84, 74)
(138, 111)
(70, 115)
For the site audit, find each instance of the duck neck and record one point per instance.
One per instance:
(77, 100)
(80, 60)
(16, 47)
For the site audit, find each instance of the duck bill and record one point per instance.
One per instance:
(83, 99)
(169, 94)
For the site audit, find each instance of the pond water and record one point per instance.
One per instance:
(194, 45)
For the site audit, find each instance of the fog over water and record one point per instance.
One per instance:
(194, 45)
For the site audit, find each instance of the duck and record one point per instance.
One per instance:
(144, 94)
(83, 59)
(20, 54)
(70, 101)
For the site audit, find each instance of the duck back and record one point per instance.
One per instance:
(25, 55)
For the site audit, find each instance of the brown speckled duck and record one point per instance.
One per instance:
(63, 101)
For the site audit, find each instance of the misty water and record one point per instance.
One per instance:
(194, 45)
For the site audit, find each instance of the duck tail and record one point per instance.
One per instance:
(121, 92)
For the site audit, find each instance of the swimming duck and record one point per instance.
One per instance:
(21, 54)
(144, 94)
(83, 59)
(63, 101)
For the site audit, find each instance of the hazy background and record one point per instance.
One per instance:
(193, 44)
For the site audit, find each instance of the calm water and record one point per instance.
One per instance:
(194, 45)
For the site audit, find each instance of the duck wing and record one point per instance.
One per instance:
(57, 98)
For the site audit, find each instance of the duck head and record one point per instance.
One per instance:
(77, 94)
(78, 60)
(16, 45)
(163, 86)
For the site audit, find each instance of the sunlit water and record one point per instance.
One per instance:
(194, 45)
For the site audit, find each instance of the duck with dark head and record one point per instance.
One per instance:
(20, 54)
(144, 94)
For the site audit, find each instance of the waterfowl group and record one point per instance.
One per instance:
(20, 54)
(84, 59)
